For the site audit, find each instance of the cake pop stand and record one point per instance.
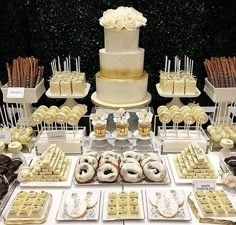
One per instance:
(69, 98)
(107, 105)
(25, 97)
(176, 98)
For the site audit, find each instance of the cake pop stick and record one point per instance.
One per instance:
(76, 64)
(228, 118)
(169, 67)
(232, 119)
(10, 115)
(3, 120)
(224, 115)
(59, 63)
(14, 116)
(69, 64)
(5, 114)
(79, 63)
(214, 113)
(166, 62)
(18, 113)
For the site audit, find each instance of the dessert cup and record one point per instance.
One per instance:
(144, 129)
(122, 129)
(99, 130)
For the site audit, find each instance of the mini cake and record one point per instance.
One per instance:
(99, 122)
(121, 119)
(144, 122)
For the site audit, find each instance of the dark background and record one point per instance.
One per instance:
(47, 28)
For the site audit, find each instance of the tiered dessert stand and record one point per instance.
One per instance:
(70, 98)
(176, 98)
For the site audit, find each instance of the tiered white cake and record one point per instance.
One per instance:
(121, 79)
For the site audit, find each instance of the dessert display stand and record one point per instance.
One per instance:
(176, 98)
(220, 96)
(70, 98)
(69, 139)
(224, 109)
(107, 105)
(25, 97)
(171, 140)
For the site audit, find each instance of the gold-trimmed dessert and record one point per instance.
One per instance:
(122, 125)
(144, 122)
(99, 122)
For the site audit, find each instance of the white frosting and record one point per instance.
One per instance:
(154, 171)
(122, 18)
(167, 207)
(121, 117)
(107, 172)
(89, 159)
(122, 62)
(121, 40)
(84, 172)
(131, 172)
(121, 91)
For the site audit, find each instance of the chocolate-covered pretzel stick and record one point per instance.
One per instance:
(9, 75)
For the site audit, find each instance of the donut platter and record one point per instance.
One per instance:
(167, 205)
(79, 205)
(113, 168)
(190, 180)
(122, 205)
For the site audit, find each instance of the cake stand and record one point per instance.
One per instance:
(107, 105)
(69, 98)
(25, 97)
(176, 98)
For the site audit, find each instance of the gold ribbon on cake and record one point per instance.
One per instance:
(121, 73)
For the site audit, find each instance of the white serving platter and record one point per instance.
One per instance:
(106, 217)
(183, 213)
(212, 158)
(56, 183)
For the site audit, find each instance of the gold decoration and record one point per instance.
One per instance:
(100, 130)
(122, 129)
(144, 129)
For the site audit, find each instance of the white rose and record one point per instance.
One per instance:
(109, 12)
(119, 22)
(141, 20)
(107, 22)
(130, 22)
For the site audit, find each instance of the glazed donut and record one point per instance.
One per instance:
(111, 154)
(129, 160)
(154, 171)
(14, 146)
(149, 157)
(131, 154)
(131, 172)
(94, 154)
(107, 172)
(84, 173)
(90, 160)
(109, 159)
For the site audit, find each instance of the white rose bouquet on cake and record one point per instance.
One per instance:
(122, 18)
(121, 119)
(144, 122)
(99, 122)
